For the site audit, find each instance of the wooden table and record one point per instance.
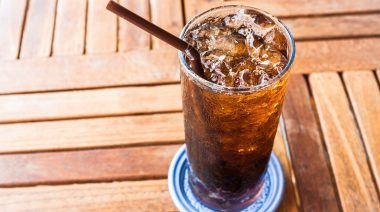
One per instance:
(90, 106)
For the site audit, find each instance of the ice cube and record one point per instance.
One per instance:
(218, 77)
(254, 44)
(244, 74)
(242, 49)
(245, 78)
(276, 38)
(264, 78)
(264, 21)
(238, 20)
(246, 23)
(216, 68)
(277, 59)
(231, 45)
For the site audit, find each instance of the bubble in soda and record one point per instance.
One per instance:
(239, 50)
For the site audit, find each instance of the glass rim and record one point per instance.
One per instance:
(254, 88)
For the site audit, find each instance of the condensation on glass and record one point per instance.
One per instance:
(229, 131)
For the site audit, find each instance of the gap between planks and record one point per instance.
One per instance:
(361, 88)
(140, 195)
(91, 133)
(104, 70)
(12, 22)
(90, 103)
(39, 28)
(45, 28)
(104, 165)
(347, 155)
(83, 166)
(310, 164)
(303, 26)
(289, 8)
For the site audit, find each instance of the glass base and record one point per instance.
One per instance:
(222, 200)
(267, 198)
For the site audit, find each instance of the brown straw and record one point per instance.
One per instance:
(191, 53)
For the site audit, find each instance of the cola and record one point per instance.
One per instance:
(232, 113)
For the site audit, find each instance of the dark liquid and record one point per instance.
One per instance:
(229, 135)
(229, 138)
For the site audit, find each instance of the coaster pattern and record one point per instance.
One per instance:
(185, 200)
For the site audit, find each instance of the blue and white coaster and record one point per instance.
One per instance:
(185, 200)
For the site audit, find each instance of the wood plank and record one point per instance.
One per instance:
(193, 7)
(90, 103)
(21, 169)
(12, 15)
(104, 165)
(86, 166)
(288, 7)
(365, 99)
(90, 133)
(70, 27)
(115, 196)
(311, 167)
(168, 15)
(310, 27)
(39, 26)
(356, 189)
(289, 201)
(148, 66)
(101, 34)
(348, 54)
(334, 26)
(89, 71)
(130, 36)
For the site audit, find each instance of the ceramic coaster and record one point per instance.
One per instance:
(185, 200)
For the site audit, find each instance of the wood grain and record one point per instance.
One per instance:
(356, 188)
(347, 54)
(168, 15)
(90, 133)
(25, 164)
(148, 66)
(289, 201)
(310, 164)
(39, 26)
(70, 27)
(130, 36)
(11, 21)
(101, 34)
(90, 103)
(86, 166)
(287, 7)
(365, 99)
(194, 7)
(334, 26)
(104, 165)
(116, 196)
(89, 71)
(308, 27)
